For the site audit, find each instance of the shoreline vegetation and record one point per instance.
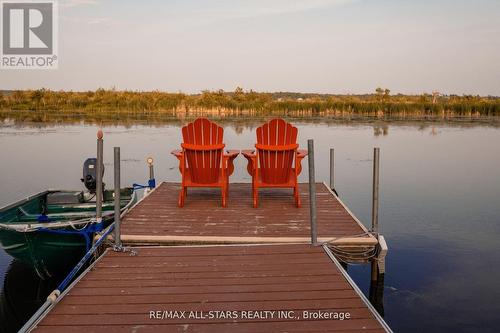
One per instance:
(111, 105)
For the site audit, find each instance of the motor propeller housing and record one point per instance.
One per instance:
(90, 174)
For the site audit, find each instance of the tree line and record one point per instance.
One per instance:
(380, 102)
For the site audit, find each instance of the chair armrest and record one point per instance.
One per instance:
(231, 153)
(301, 153)
(251, 156)
(180, 156)
(177, 153)
(249, 153)
(229, 156)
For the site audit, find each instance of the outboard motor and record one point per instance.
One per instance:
(90, 174)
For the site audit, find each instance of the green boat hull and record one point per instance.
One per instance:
(49, 254)
(53, 247)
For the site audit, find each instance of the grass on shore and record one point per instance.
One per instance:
(111, 104)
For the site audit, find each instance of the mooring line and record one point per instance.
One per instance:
(53, 298)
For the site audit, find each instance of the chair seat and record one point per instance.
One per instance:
(189, 179)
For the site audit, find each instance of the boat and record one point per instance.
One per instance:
(52, 230)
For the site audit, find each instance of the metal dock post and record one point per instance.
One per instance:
(118, 242)
(332, 169)
(99, 169)
(375, 200)
(312, 192)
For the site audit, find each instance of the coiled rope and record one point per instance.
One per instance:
(350, 255)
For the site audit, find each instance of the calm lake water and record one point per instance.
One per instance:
(439, 208)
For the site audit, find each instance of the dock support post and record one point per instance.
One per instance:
(332, 169)
(312, 192)
(99, 169)
(375, 199)
(118, 241)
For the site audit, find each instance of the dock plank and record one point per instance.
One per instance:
(226, 278)
(202, 217)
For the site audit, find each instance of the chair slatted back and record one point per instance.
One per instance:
(276, 146)
(203, 147)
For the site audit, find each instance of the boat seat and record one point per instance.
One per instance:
(65, 198)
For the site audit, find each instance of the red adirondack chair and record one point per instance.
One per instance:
(202, 160)
(276, 161)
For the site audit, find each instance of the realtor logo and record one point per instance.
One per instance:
(29, 35)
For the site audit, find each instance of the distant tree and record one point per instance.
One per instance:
(387, 93)
(382, 94)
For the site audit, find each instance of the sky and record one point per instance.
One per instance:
(323, 46)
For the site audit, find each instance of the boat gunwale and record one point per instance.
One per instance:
(28, 198)
(34, 227)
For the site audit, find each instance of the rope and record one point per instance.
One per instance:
(151, 185)
(92, 197)
(350, 236)
(75, 228)
(87, 255)
(349, 256)
(84, 232)
(354, 258)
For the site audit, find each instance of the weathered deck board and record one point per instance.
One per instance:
(114, 298)
(202, 216)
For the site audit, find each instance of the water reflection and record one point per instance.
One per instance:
(46, 119)
(381, 130)
(439, 206)
(376, 294)
(376, 291)
(23, 292)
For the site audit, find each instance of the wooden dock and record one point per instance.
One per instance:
(225, 288)
(224, 268)
(158, 220)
